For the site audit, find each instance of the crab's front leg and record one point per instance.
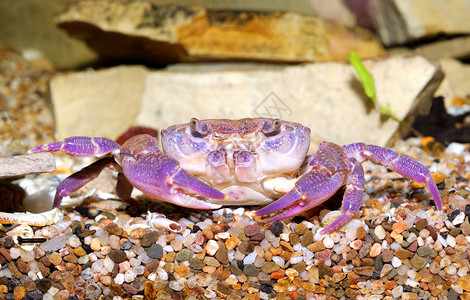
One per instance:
(403, 165)
(352, 197)
(159, 176)
(328, 171)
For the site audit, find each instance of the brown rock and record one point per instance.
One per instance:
(307, 238)
(221, 254)
(164, 34)
(365, 271)
(300, 229)
(403, 253)
(55, 258)
(44, 270)
(79, 251)
(5, 253)
(19, 292)
(252, 230)
(14, 270)
(137, 233)
(387, 256)
(316, 246)
(22, 266)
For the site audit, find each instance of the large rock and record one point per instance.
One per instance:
(97, 103)
(327, 97)
(457, 47)
(456, 82)
(140, 30)
(401, 21)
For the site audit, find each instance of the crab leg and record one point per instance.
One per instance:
(81, 146)
(403, 165)
(329, 169)
(352, 198)
(312, 189)
(77, 180)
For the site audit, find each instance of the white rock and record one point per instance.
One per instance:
(250, 258)
(379, 232)
(459, 219)
(296, 259)
(328, 242)
(397, 292)
(455, 148)
(211, 247)
(129, 275)
(108, 263)
(396, 262)
(119, 279)
(279, 261)
(450, 241)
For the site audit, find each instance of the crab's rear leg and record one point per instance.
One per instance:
(81, 146)
(403, 165)
(352, 198)
(77, 180)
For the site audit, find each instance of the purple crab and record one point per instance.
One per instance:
(209, 163)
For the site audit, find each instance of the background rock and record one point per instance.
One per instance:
(141, 31)
(324, 96)
(458, 47)
(401, 21)
(327, 97)
(29, 26)
(97, 103)
(456, 82)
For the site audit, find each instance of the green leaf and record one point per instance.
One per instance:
(364, 75)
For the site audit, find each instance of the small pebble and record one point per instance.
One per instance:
(155, 251)
(277, 227)
(252, 230)
(118, 256)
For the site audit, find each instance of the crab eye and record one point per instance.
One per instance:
(198, 129)
(272, 128)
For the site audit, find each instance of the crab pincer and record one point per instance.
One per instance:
(329, 169)
(159, 176)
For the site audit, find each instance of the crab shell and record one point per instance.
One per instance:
(238, 157)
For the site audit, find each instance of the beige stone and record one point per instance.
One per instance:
(456, 82)
(97, 103)
(162, 34)
(431, 17)
(327, 97)
(401, 21)
(26, 164)
(457, 47)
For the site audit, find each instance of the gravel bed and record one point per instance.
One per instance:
(398, 247)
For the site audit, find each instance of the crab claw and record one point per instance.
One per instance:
(159, 176)
(311, 189)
